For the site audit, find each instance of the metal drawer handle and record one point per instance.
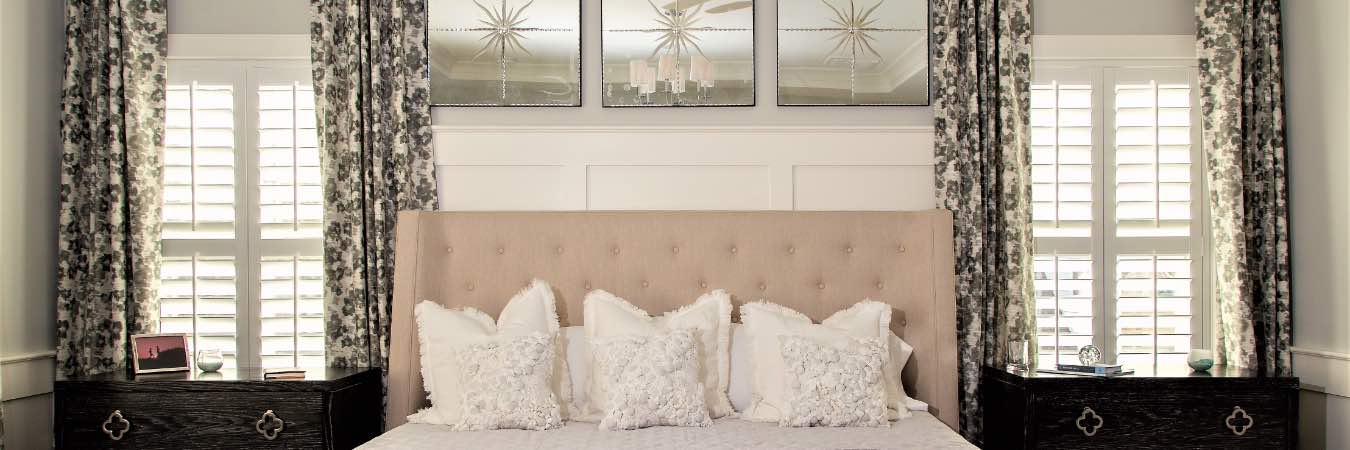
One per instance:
(123, 425)
(273, 424)
(1088, 416)
(1239, 415)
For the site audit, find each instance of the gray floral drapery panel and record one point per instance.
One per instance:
(1242, 99)
(112, 128)
(372, 88)
(981, 106)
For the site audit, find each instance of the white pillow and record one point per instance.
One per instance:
(765, 322)
(506, 384)
(739, 388)
(651, 380)
(607, 315)
(834, 386)
(578, 354)
(441, 330)
(897, 400)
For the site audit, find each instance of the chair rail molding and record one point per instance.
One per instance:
(27, 374)
(1323, 371)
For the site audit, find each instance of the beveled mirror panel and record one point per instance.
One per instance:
(852, 52)
(678, 53)
(505, 52)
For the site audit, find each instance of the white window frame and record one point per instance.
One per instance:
(244, 61)
(1102, 61)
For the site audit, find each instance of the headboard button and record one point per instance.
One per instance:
(903, 322)
(881, 285)
(586, 286)
(501, 251)
(762, 286)
(615, 250)
(703, 284)
(449, 249)
(733, 249)
(645, 283)
(674, 249)
(558, 250)
(820, 286)
(900, 248)
(792, 250)
(469, 286)
(848, 249)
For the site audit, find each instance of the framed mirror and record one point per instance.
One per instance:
(505, 52)
(678, 53)
(853, 52)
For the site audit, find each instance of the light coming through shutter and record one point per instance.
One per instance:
(1064, 306)
(1153, 307)
(1153, 159)
(1061, 159)
(199, 173)
(197, 297)
(290, 196)
(291, 313)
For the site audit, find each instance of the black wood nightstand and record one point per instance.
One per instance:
(330, 409)
(1227, 408)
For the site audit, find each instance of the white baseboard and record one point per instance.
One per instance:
(27, 375)
(1323, 371)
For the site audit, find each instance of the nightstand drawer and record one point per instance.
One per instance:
(1113, 418)
(176, 420)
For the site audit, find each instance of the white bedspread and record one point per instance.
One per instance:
(922, 431)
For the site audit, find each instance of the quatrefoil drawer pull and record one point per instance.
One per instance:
(1239, 421)
(269, 426)
(1089, 422)
(122, 425)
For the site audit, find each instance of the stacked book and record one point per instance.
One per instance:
(1104, 370)
(288, 373)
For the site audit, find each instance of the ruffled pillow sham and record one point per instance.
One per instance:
(650, 380)
(505, 384)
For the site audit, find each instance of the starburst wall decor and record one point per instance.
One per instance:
(678, 53)
(852, 52)
(505, 52)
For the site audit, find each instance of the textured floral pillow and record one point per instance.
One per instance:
(651, 380)
(506, 384)
(833, 386)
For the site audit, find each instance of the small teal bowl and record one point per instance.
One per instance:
(1201, 365)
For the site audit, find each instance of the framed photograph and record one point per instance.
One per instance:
(505, 52)
(677, 53)
(853, 52)
(166, 352)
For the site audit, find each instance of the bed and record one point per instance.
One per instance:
(814, 262)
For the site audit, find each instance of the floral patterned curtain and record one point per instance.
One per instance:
(112, 128)
(372, 88)
(981, 106)
(1242, 99)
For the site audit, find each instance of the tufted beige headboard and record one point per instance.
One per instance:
(814, 262)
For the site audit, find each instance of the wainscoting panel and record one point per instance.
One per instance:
(502, 188)
(864, 188)
(684, 168)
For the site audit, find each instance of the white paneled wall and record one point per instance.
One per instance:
(684, 168)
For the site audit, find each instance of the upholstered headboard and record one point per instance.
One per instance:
(814, 262)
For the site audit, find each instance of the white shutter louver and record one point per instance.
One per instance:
(291, 311)
(197, 297)
(1153, 159)
(1064, 305)
(1153, 309)
(199, 162)
(289, 190)
(1061, 159)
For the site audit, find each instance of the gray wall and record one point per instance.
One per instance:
(1114, 16)
(239, 16)
(31, 47)
(1317, 67)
